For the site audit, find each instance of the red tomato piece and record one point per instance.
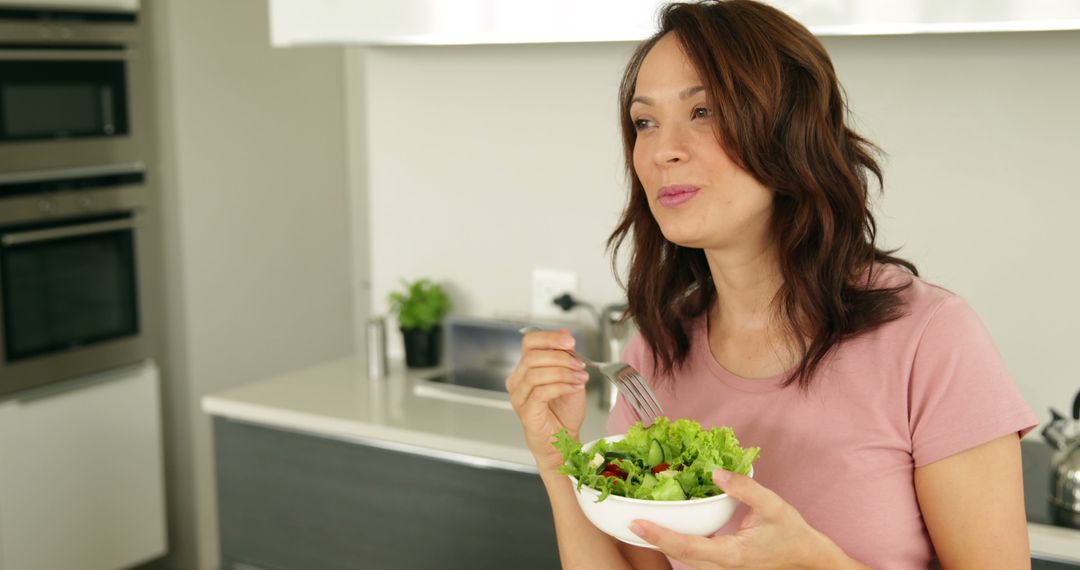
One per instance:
(612, 468)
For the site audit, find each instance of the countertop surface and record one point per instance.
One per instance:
(403, 411)
(336, 399)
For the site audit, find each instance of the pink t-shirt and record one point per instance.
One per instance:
(918, 389)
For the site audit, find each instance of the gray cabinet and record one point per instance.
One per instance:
(1044, 564)
(294, 501)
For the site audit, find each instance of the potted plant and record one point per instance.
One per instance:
(420, 308)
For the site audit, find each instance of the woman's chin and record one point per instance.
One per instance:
(685, 239)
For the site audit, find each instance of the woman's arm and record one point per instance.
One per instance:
(973, 505)
(582, 545)
(547, 391)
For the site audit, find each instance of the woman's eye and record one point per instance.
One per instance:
(642, 124)
(702, 112)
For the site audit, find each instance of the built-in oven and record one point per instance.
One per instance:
(70, 92)
(69, 299)
(73, 191)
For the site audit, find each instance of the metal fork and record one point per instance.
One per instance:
(626, 379)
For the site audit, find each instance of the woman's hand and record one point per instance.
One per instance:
(773, 535)
(547, 391)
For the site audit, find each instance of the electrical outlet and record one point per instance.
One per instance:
(548, 284)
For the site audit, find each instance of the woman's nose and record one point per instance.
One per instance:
(672, 146)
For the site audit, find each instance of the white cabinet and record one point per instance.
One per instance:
(442, 22)
(445, 22)
(81, 482)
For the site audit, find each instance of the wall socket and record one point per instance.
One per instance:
(548, 284)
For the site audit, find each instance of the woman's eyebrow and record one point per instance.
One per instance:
(684, 94)
(691, 91)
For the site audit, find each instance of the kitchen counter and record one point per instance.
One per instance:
(337, 400)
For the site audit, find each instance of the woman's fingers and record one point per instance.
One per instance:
(756, 496)
(551, 340)
(533, 379)
(684, 548)
(539, 359)
(543, 349)
(544, 394)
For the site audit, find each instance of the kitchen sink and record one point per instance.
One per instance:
(481, 387)
(481, 353)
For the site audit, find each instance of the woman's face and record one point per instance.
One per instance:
(699, 197)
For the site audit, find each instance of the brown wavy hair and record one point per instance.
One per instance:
(781, 117)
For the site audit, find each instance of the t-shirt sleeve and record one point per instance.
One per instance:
(960, 394)
(622, 417)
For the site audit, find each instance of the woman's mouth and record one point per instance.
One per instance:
(671, 196)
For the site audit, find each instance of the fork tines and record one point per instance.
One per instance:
(638, 394)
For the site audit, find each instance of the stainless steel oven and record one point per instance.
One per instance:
(70, 92)
(69, 298)
(73, 193)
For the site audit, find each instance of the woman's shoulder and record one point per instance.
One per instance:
(922, 301)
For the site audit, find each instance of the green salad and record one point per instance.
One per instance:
(667, 461)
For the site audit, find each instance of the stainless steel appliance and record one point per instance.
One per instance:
(1063, 434)
(72, 195)
(70, 91)
(69, 298)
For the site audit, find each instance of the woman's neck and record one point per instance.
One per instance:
(746, 334)
(746, 284)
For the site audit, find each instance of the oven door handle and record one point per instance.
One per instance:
(65, 55)
(70, 231)
(66, 173)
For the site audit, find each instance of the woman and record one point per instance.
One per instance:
(888, 426)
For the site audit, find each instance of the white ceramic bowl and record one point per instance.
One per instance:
(613, 515)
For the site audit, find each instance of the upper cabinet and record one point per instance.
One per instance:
(449, 22)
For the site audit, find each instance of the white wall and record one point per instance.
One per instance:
(254, 208)
(983, 136)
(486, 161)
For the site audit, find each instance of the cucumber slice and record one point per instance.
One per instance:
(669, 454)
(656, 454)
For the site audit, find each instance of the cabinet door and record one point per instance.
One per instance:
(81, 482)
(291, 501)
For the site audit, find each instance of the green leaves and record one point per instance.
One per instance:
(690, 453)
(421, 305)
(568, 446)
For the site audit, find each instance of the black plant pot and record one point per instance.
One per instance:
(421, 347)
